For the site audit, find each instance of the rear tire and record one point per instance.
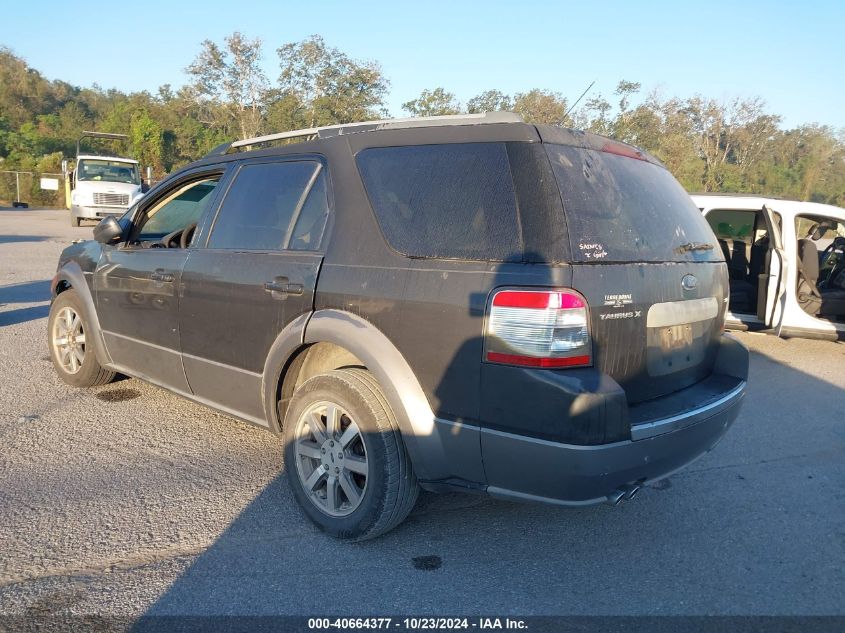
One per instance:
(70, 340)
(335, 420)
(77, 222)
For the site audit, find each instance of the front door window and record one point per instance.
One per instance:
(175, 213)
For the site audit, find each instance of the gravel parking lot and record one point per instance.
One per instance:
(127, 500)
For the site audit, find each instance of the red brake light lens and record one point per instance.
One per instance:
(536, 300)
(622, 150)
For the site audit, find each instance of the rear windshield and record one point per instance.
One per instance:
(452, 201)
(623, 209)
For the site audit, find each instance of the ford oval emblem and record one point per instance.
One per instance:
(689, 282)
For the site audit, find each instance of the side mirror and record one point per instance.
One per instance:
(108, 230)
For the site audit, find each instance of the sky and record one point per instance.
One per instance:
(792, 54)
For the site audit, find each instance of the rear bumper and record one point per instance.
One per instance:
(568, 474)
(533, 469)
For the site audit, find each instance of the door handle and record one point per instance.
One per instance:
(280, 287)
(161, 275)
(295, 289)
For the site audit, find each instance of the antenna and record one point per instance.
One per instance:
(579, 98)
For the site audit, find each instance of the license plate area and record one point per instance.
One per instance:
(679, 335)
(675, 337)
(674, 348)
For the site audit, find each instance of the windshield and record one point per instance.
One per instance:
(623, 209)
(108, 171)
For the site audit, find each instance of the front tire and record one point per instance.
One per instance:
(345, 459)
(70, 341)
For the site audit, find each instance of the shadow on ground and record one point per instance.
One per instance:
(27, 292)
(14, 239)
(753, 528)
(22, 315)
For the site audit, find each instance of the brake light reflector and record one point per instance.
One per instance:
(622, 150)
(538, 328)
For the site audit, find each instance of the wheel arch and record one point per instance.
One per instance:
(330, 339)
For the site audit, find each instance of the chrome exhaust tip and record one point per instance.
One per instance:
(630, 491)
(615, 497)
(622, 493)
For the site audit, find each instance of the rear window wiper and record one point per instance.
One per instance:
(694, 246)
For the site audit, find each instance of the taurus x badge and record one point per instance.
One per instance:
(689, 282)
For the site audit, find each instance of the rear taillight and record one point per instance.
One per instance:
(538, 328)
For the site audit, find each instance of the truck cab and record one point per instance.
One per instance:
(103, 185)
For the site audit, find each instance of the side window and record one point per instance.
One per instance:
(804, 226)
(822, 230)
(728, 224)
(450, 201)
(178, 210)
(261, 205)
(312, 218)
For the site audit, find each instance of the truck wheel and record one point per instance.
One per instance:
(71, 347)
(345, 459)
(77, 222)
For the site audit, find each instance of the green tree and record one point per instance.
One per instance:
(435, 102)
(489, 101)
(541, 106)
(321, 85)
(229, 79)
(147, 139)
(735, 145)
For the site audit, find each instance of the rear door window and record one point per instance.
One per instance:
(624, 209)
(453, 201)
(261, 207)
(735, 235)
(729, 224)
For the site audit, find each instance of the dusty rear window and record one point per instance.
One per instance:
(623, 209)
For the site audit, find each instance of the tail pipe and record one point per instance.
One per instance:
(622, 493)
(615, 497)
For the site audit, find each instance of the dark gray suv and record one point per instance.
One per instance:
(456, 303)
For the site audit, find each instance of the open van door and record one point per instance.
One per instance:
(771, 295)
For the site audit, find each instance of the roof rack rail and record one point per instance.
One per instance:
(104, 135)
(366, 126)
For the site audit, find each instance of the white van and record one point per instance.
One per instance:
(786, 261)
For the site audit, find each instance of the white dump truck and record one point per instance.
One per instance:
(102, 185)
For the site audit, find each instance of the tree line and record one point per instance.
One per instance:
(709, 145)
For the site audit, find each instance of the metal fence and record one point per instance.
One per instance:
(41, 189)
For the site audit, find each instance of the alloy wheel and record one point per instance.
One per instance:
(69, 340)
(331, 458)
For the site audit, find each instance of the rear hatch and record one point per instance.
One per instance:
(646, 260)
